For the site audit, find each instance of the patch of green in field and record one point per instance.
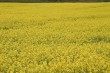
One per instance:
(54, 37)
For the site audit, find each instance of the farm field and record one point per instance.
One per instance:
(55, 37)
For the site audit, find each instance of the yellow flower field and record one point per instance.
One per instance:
(54, 37)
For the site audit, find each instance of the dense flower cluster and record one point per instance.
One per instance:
(55, 38)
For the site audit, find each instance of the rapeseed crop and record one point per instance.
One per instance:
(55, 38)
